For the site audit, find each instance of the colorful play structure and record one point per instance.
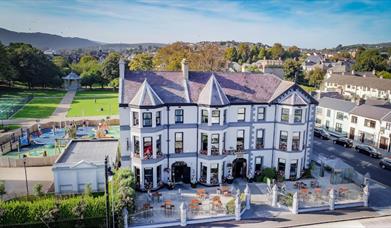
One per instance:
(50, 141)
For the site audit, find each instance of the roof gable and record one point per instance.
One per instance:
(212, 94)
(146, 96)
(293, 99)
(293, 95)
(83, 164)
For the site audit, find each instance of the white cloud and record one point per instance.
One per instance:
(152, 21)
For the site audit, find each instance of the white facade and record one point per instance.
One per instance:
(332, 120)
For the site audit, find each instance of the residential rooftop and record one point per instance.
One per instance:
(93, 151)
(372, 112)
(237, 87)
(336, 104)
(370, 82)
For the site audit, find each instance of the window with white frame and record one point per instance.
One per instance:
(370, 123)
(258, 164)
(241, 114)
(179, 142)
(298, 115)
(147, 145)
(147, 119)
(339, 116)
(261, 113)
(204, 116)
(259, 144)
(158, 118)
(283, 140)
(179, 116)
(328, 113)
(240, 140)
(338, 127)
(354, 119)
(215, 144)
(296, 141)
(135, 119)
(284, 115)
(204, 144)
(136, 145)
(215, 117)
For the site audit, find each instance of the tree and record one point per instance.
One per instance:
(80, 209)
(90, 71)
(243, 53)
(231, 54)
(292, 70)
(110, 67)
(141, 62)
(37, 190)
(114, 83)
(315, 77)
(62, 64)
(170, 57)
(253, 53)
(32, 67)
(7, 72)
(277, 51)
(262, 54)
(293, 52)
(2, 189)
(208, 57)
(369, 60)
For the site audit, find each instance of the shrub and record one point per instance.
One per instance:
(88, 190)
(230, 206)
(50, 209)
(2, 189)
(266, 173)
(287, 199)
(37, 190)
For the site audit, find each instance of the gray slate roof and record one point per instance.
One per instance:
(212, 94)
(387, 117)
(72, 76)
(371, 82)
(146, 96)
(336, 104)
(89, 150)
(369, 111)
(238, 87)
(294, 99)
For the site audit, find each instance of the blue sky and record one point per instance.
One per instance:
(311, 24)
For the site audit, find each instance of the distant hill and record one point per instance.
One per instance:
(380, 46)
(46, 41)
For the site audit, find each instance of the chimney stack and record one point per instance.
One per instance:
(121, 68)
(185, 69)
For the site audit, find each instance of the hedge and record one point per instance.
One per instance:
(19, 212)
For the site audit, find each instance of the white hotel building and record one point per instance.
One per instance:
(202, 126)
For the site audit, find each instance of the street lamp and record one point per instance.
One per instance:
(108, 173)
(25, 175)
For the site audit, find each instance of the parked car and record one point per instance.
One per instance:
(385, 163)
(365, 149)
(321, 133)
(343, 142)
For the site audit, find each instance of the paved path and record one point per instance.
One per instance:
(62, 109)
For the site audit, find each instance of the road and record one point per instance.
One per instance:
(360, 162)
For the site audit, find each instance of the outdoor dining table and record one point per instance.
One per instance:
(156, 195)
(168, 206)
(147, 209)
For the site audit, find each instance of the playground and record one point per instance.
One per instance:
(50, 141)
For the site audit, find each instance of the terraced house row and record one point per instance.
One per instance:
(205, 127)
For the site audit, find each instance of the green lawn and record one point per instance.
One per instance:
(94, 103)
(308, 88)
(6, 92)
(38, 108)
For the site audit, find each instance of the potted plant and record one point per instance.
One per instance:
(193, 182)
(170, 184)
(230, 179)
